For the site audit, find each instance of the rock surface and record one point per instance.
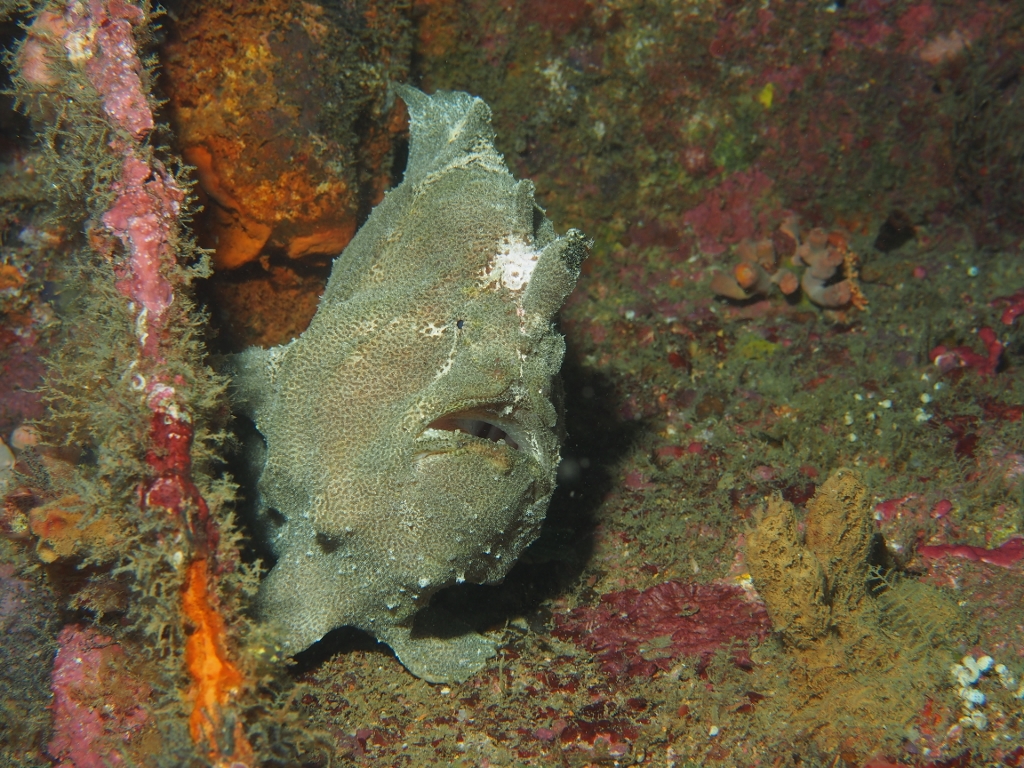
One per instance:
(282, 109)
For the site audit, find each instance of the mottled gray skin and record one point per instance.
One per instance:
(411, 435)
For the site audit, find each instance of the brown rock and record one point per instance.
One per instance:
(282, 108)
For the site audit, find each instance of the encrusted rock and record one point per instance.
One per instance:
(281, 107)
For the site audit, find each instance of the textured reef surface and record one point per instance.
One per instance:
(787, 526)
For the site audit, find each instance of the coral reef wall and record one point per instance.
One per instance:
(807, 258)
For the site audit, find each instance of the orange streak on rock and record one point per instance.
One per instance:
(215, 680)
(10, 277)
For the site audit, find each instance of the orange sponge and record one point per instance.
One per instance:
(215, 679)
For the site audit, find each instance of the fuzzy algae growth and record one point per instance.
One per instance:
(412, 432)
(866, 648)
(124, 491)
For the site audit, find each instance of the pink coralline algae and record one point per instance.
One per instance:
(948, 359)
(98, 707)
(112, 63)
(1005, 555)
(143, 218)
(636, 633)
(727, 214)
(98, 36)
(1014, 308)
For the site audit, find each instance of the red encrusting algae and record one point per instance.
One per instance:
(91, 667)
(1005, 555)
(1014, 306)
(950, 359)
(636, 633)
(172, 490)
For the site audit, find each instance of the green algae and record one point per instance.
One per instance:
(95, 436)
(755, 348)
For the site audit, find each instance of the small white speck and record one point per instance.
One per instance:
(972, 696)
(1005, 676)
(713, 731)
(973, 271)
(885, 403)
(852, 437)
(925, 398)
(433, 330)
